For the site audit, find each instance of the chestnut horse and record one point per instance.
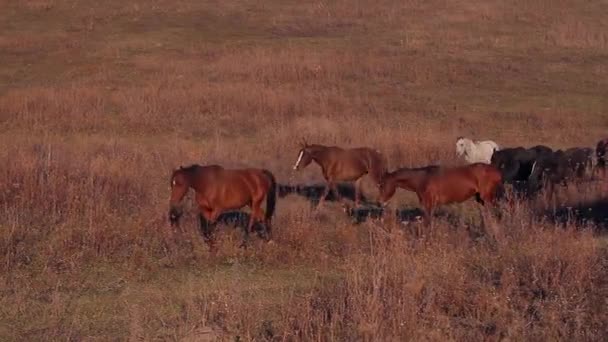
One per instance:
(439, 186)
(411, 179)
(342, 165)
(219, 190)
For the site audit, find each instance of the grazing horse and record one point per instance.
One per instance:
(559, 167)
(516, 163)
(476, 151)
(342, 165)
(441, 186)
(219, 190)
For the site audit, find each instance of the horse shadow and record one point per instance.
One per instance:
(239, 220)
(313, 193)
(595, 212)
(362, 214)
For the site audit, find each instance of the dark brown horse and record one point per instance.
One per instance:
(342, 165)
(436, 187)
(219, 190)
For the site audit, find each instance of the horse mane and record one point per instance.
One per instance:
(428, 168)
(316, 147)
(189, 168)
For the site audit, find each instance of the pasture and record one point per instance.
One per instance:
(101, 100)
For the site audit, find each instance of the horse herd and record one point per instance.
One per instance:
(489, 167)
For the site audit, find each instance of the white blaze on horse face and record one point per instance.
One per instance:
(295, 167)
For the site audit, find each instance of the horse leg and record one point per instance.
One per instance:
(249, 228)
(427, 216)
(357, 191)
(267, 224)
(479, 199)
(207, 228)
(339, 198)
(257, 214)
(427, 204)
(328, 187)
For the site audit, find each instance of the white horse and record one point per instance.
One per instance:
(476, 151)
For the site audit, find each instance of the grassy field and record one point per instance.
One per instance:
(100, 100)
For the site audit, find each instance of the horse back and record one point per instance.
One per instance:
(452, 182)
(347, 164)
(240, 184)
(255, 177)
(486, 173)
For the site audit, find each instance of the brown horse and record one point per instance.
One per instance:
(218, 190)
(411, 179)
(436, 187)
(342, 165)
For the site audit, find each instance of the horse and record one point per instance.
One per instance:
(219, 190)
(476, 151)
(516, 163)
(342, 165)
(559, 167)
(411, 179)
(601, 153)
(435, 187)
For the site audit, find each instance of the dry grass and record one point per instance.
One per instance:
(100, 100)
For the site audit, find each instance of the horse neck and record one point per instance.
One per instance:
(470, 148)
(408, 179)
(318, 154)
(192, 178)
(377, 165)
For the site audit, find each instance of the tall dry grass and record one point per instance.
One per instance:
(100, 100)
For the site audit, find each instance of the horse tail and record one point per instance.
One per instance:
(499, 185)
(271, 196)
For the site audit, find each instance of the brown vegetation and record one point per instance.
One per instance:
(100, 100)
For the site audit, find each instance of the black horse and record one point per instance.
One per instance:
(601, 152)
(516, 163)
(560, 167)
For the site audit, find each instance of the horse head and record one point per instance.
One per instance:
(462, 145)
(601, 148)
(180, 183)
(304, 155)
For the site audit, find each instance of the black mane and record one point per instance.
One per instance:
(190, 168)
